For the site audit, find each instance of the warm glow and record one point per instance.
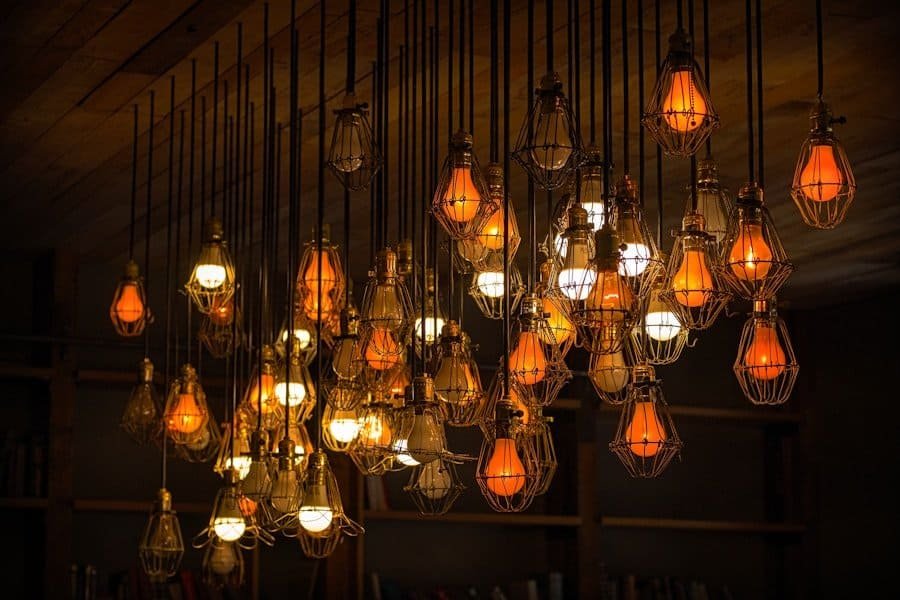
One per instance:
(434, 481)
(311, 305)
(821, 179)
(266, 383)
(610, 294)
(527, 362)
(645, 434)
(186, 416)
(683, 107)
(660, 323)
(328, 277)
(491, 234)
(240, 463)
(693, 281)
(454, 382)
(229, 529)
(505, 473)
(750, 256)
(375, 431)
(576, 283)
(557, 321)
(765, 357)
(302, 338)
(129, 306)
(210, 276)
(383, 352)
(519, 404)
(490, 283)
(401, 452)
(344, 426)
(399, 383)
(461, 200)
(295, 392)
(433, 328)
(221, 313)
(635, 258)
(609, 372)
(316, 519)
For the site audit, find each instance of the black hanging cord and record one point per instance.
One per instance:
(507, 308)
(320, 212)
(760, 146)
(171, 265)
(626, 157)
(134, 156)
(694, 199)
(147, 217)
(641, 66)
(607, 100)
(215, 128)
(451, 19)
(548, 5)
(494, 104)
(659, 170)
(402, 134)
(749, 34)
(706, 63)
(820, 51)
(202, 164)
(351, 49)
(462, 63)
(593, 70)
(680, 8)
(472, 66)
(532, 202)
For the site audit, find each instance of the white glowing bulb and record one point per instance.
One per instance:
(434, 480)
(661, 324)
(490, 283)
(302, 337)
(210, 276)
(432, 328)
(576, 283)
(596, 213)
(610, 372)
(401, 452)
(240, 463)
(344, 430)
(315, 519)
(229, 529)
(296, 392)
(635, 258)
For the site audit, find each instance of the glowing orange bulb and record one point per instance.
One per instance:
(222, 312)
(129, 306)
(684, 107)
(399, 384)
(328, 276)
(247, 506)
(609, 294)
(693, 281)
(376, 431)
(645, 433)
(311, 305)
(461, 200)
(558, 323)
(266, 383)
(186, 416)
(491, 234)
(505, 473)
(527, 361)
(821, 179)
(765, 356)
(750, 255)
(383, 352)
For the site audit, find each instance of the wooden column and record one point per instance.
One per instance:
(586, 427)
(342, 573)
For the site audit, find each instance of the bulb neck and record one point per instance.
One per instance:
(707, 173)
(164, 500)
(606, 248)
(493, 177)
(405, 257)
(216, 231)
(132, 271)
(349, 320)
(627, 191)
(423, 390)
(750, 195)
(385, 265)
(145, 373)
(680, 48)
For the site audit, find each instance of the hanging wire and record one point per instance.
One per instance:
(641, 66)
(761, 168)
(706, 63)
(462, 63)
(472, 66)
(659, 171)
(320, 216)
(215, 129)
(147, 218)
(494, 102)
(694, 200)
(134, 157)
(749, 36)
(171, 265)
(820, 50)
(607, 102)
(626, 156)
(593, 67)
(506, 153)
(402, 133)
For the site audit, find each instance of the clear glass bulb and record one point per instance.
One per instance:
(344, 426)
(401, 453)
(453, 381)
(386, 306)
(351, 146)
(344, 357)
(256, 483)
(223, 559)
(426, 439)
(551, 139)
(434, 480)
(315, 513)
(609, 372)
(285, 491)
(295, 391)
(432, 328)
(490, 283)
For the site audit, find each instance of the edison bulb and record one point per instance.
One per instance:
(221, 312)
(344, 426)
(491, 234)
(350, 144)
(256, 483)
(434, 480)
(490, 283)
(684, 107)
(660, 323)
(461, 200)
(210, 276)
(315, 512)
(821, 179)
(527, 361)
(453, 382)
(750, 256)
(376, 431)
(765, 358)
(426, 439)
(609, 294)
(505, 473)
(692, 282)
(240, 463)
(295, 391)
(186, 416)
(302, 337)
(385, 307)
(609, 372)
(344, 357)
(129, 306)
(645, 433)
(284, 491)
(551, 138)
(401, 453)
(559, 328)
(383, 352)
(576, 277)
(228, 523)
(432, 327)
(635, 258)
(222, 561)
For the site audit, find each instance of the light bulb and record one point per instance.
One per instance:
(186, 416)
(267, 398)
(461, 200)
(401, 453)
(434, 480)
(432, 327)
(765, 358)
(376, 431)
(129, 306)
(210, 276)
(558, 324)
(636, 255)
(256, 483)
(551, 138)
(328, 276)
(505, 473)
(660, 323)
(311, 306)
(527, 361)
(385, 306)
(344, 426)
(645, 434)
(239, 463)
(161, 547)
(490, 283)
(295, 391)
(383, 352)
(750, 256)
(635, 258)
(454, 382)
(821, 179)
(610, 295)
(683, 107)
(426, 440)
(284, 491)
(596, 211)
(302, 337)
(609, 372)
(222, 312)
(350, 144)
(228, 522)
(344, 357)
(576, 277)
(561, 244)
(692, 282)
(315, 513)
(222, 561)
(491, 234)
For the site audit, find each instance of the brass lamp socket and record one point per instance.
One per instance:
(258, 443)
(461, 148)
(627, 190)
(349, 321)
(164, 500)
(268, 354)
(532, 306)
(693, 222)
(551, 85)
(216, 230)
(385, 265)
(451, 330)
(405, 257)
(593, 157)
(493, 177)
(188, 373)
(423, 389)
(750, 195)
(643, 373)
(578, 220)
(146, 371)
(132, 270)
(707, 172)
(606, 245)
(680, 48)
(820, 118)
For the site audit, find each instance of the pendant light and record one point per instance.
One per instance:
(330, 278)
(610, 374)
(457, 382)
(434, 487)
(535, 364)
(223, 565)
(824, 186)
(141, 417)
(507, 471)
(766, 366)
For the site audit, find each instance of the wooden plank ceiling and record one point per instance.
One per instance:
(73, 69)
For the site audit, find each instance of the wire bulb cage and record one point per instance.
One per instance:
(161, 547)
(259, 395)
(386, 315)
(323, 522)
(299, 437)
(428, 330)
(658, 337)
(129, 311)
(283, 501)
(766, 366)
(257, 483)
(419, 437)
(344, 394)
(541, 438)
(549, 145)
(340, 427)
(824, 186)
(587, 189)
(223, 565)
(491, 234)
(694, 289)
(186, 414)
(468, 256)
(575, 274)
(330, 280)
(354, 158)
(639, 262)
(461, 203)
(487, 288)
(610, 374)
(141, 417)
(302, 334)
(561, 326)
(457, 382)
(233, 519)
(680, 115)
(535, 361)
(646, 440)
(521, 398)
(605, 317)
(234, 434)
(434, 487)
(346, 361)
(295, 387)
(754, 262)
(371, 451)
(212, 280)
(222, 329)
(507, 471)
(714, 201)
(205, 446)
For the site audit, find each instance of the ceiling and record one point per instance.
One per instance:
(73, 69)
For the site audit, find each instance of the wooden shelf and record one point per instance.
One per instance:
(138, 506)
(524, 520)
(708, 413)
(24, 503)
(698, 525)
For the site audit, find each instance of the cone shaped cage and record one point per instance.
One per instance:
(461, 202)
(161, 547)
(283, 500)
(714, 201)
(507, 472)
(294, 384)
(538, 434)
(345, 357)
(371, 451)
(419, 436)
(330, 280)
(535, 361)
(754, 262)
(386, 316)
(658, 337)
(186, 414)
(321, 515)
(639, 261)
(680, 115)
(766, 366)
(222, 329)
(610, 373)
(457, 382)
(428, 330)
(257, 483)
(304, 335)
(646, 440)
(141, 418)
(574, 274)
(434, 487)
(491, 234)
(212, 280)
(487, 287)
(549, 144)
(353, 157)
(238, 435)
(223, 565)
(129, 311)
(259, 395)
(694, 289)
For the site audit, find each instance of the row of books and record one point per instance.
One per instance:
(23, 465)
(134, 584)
(547, 587)
(632, 587)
